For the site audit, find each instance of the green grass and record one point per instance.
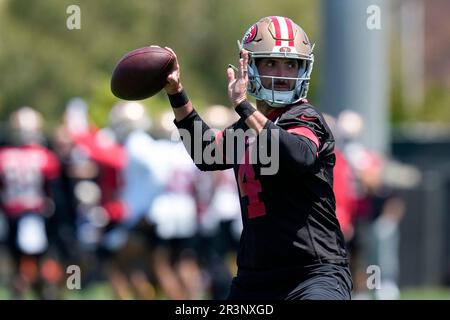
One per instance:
(102, 291)
(438, 293)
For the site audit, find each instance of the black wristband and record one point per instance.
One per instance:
(178, 99)
(245, 109)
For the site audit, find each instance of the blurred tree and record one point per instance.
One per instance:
(44, 63)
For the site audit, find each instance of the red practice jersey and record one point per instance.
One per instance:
(24, 172)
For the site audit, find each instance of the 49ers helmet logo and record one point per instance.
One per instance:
(250, 34)
(285, 49)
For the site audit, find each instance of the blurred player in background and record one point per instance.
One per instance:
(344, 184)
(93, 165)
(174, 215)
(28, 172)
(378, 212)
(130, 124)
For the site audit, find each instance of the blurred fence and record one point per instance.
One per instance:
(425, 229)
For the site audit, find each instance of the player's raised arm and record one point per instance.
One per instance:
(237, 93)
(178, 98)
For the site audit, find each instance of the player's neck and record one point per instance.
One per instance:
(268, 111)
(263, 107)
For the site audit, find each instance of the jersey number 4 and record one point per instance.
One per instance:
(250, 187)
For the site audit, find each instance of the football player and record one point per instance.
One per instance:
(291, 245)
(28, 180)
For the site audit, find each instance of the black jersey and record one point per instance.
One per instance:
(289, 216)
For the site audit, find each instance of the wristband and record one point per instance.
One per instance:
(178, 99)
(245, 109)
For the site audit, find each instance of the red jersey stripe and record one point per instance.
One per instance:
(305, 132)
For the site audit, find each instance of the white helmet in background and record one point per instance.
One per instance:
(219, 117)
(128, 116)
(26, 124)
(350, 124)
(76, 116)
(278, 37)
(165, 128)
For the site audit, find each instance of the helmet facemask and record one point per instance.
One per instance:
(276, 98)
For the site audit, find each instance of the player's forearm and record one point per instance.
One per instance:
(254, 119)
(183, 112)
(181, 105)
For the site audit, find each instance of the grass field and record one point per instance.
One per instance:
(441, 293)
(102, 291)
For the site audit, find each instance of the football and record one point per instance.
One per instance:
(141, 73)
